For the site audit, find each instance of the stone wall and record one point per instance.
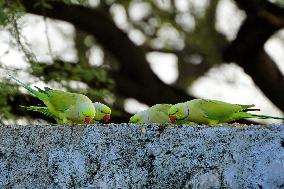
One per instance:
(129, 156)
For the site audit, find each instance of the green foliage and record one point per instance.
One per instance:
(75, 1)
(97, 78)
(7, 92)
(46, 4)
(59, 71)
(280, 3)
(10, 11)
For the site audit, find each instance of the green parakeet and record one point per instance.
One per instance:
(102, 112)
(65, 106)
(210, 112)
(155, 114)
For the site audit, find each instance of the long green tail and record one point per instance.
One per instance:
(38, 94)
(265, 117)
(40, 109)
(43, 110)
(251, 109)
(243, 115)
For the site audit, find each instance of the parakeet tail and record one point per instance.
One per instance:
(242, 115)
(40, 109)
(31, 90)
(32, 108)
(251, 109)
(265, 117)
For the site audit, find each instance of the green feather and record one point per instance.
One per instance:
(155, 114)
(68, 107)
(203, 111)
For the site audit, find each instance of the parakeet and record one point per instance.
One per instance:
(43, 110)
(155, 114)
(65, 106)
(102, 112)
(211, 112)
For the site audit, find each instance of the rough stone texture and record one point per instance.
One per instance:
(128, 156)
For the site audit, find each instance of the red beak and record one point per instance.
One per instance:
(172, 118)
(106, 118)
(88, 120)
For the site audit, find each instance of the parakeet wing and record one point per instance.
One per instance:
(61, 100)
(158, 117)
(163, 107)
(218, 110)
(159, 113)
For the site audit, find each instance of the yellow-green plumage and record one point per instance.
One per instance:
(210, 112)
(65, 106)
(43, 110)
(103, 112)
(155, 114)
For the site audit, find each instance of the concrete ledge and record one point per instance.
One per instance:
(127, 156)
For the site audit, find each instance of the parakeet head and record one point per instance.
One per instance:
(86, 112)
(102, 112)
(178, 111)
(140, 117)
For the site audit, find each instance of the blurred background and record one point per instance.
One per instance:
(132, 54)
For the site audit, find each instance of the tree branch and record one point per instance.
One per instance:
(247, 49)
(133, 65)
